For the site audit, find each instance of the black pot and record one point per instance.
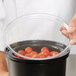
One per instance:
(47, 67)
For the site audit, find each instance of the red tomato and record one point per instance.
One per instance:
(21, 52)
(28, 55)
(35, 56)
(45, 54)
(33, 52)
(28, 50)
(52, 53)
(45, 51)
(48, 56)
(41, 55)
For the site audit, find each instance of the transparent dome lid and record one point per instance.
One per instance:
(35, 27)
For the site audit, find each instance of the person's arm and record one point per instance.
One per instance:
(3, 65)
(71, 31)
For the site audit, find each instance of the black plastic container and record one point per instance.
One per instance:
(47, 67)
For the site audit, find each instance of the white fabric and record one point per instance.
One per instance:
(63, 8)
(2, 17)
(2, 11)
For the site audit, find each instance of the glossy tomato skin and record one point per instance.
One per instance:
(34, 54)
(45, 54)
(45, 51)
(27, 55)
(21, 52)
(41, 55)
(28, 50)
(48, 56)
(52, 53)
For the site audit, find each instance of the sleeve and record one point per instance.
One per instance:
(2, 16)
(2, 11)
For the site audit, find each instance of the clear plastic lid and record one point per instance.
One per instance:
(35, 27)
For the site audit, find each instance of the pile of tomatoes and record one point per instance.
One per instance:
(28, 52)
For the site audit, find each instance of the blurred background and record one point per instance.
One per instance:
(10, 9)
